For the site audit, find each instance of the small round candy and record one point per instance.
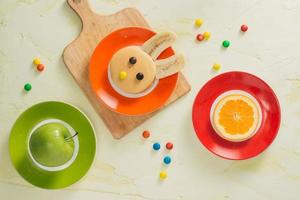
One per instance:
(216, 67)
(27, 87)
(163, 175)
(156, 146)
(244, 28)
(36, 61)
(122, 75)
(40, 67)
(167, 160)
(198, 22)
(169, 145)
(206, 35)
(226, 43)
(146, 134)
(200, 37)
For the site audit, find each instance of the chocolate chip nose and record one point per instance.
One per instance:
(132, 60)
(139, 76)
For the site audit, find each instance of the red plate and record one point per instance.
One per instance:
(270, 115)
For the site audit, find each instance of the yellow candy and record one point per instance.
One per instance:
(37, 61)
(206, 35)
(198, 22)
(163, 175)
(216, 67)
(122, 75)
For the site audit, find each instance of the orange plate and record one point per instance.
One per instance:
(100, 83)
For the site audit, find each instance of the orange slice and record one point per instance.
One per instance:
(236, 116)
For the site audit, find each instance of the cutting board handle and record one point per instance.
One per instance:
(82, 8)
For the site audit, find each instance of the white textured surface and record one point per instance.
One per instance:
(127, 168)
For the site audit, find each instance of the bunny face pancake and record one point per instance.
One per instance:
(134, 70)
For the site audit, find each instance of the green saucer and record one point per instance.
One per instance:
(18, 145)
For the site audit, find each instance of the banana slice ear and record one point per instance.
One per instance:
(158, 43)
(169, 66)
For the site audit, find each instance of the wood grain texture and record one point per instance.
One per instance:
(77, 56)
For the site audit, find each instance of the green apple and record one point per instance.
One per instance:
(52, 144)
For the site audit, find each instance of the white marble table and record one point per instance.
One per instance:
(127, 168)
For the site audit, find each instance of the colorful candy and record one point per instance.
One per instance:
(40, 67)
(206, 35)
(27, 87)
(226, 43)
(169, 145)
(198, 22)
(200, 37)
(146, 134)
(216, 67)
(122, 75)
(156, 146)
(244, 28)
(163, 175)
(36, 61)
(167, 160)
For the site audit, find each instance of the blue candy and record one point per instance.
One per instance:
(167, 160)
(156, 146)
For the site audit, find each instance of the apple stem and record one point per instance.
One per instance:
(68, 138)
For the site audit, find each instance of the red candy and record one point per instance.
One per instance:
(244, 28)
(146, 134)
(200, 37)
(40, 67)
(169, 145)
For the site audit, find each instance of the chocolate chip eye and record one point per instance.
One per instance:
(139, 76)
(132, 60)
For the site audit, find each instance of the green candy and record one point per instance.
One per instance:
(27, 87)
(226, 43)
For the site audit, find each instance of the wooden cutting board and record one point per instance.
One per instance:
(77, 56)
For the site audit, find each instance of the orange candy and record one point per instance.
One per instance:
(40, 67)
(146, 134)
